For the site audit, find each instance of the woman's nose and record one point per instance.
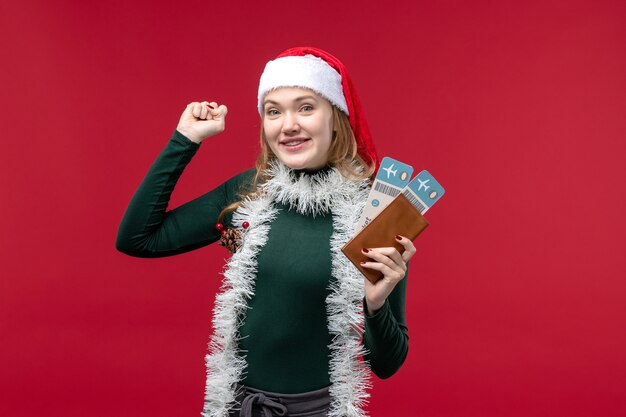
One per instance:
(290, 123)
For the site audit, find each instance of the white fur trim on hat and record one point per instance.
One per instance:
(303, 71)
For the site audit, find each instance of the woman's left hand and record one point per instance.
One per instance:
(392, 265)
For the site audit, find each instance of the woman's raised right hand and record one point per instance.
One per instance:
(201, 120)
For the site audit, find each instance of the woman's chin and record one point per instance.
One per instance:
(304, 166)
(297, 164)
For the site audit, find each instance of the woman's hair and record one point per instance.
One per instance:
(342, 155)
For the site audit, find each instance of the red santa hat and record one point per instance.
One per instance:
(321, 72)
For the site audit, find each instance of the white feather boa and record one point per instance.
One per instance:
(309, 195)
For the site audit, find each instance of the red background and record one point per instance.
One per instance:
(517, 296)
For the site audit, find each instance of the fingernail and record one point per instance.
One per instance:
(362, 263)
(398, 237)
(365, 250)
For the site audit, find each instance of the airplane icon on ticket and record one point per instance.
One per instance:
(423, 184)
(390, 170)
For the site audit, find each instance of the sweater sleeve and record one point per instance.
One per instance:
(386, 336)
(149, 230)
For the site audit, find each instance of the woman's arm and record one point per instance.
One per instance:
(386, 336)
(149, 230)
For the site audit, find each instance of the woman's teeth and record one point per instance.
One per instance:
(293, 143)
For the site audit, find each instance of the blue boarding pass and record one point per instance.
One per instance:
(423, 191)
(393, 176)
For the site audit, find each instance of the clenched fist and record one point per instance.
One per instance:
(201, 120)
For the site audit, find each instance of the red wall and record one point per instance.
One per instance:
(517, 293)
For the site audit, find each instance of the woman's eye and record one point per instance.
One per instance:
(272, 112)
(306, 107)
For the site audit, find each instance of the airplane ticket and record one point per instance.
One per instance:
(423, 191)
(391, 179)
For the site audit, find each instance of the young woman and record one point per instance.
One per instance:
(296, 327)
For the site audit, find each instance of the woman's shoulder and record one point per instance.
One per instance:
(240, 183)
(242, 177)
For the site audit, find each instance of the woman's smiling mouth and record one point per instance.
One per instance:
(293, 143)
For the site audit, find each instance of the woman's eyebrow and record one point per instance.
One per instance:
(307, 97)
(301, 98)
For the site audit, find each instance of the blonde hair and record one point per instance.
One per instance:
(342, 155)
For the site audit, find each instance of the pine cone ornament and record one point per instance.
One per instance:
(231, 240)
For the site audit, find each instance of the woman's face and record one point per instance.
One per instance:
(298, 126)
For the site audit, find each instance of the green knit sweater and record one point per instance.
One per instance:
(284, 336)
